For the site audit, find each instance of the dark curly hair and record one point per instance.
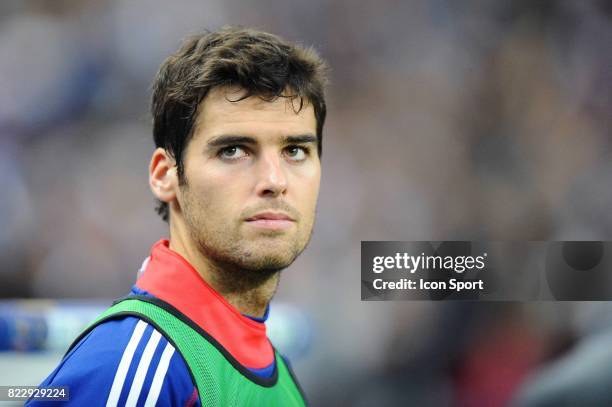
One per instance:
(260, 63)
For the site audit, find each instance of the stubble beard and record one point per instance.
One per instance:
(236, 263)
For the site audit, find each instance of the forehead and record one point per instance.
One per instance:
(220, 113)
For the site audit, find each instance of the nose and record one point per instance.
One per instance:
(272, 180)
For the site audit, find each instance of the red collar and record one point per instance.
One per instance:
(169, 277)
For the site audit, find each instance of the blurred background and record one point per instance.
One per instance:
(471, 120)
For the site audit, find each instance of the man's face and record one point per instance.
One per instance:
(252, 178)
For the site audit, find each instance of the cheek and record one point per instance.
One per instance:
(308, 189)
(219, 195)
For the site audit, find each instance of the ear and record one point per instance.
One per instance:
(163, 177)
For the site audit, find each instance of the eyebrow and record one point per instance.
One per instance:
(228, 139)
(301, 139)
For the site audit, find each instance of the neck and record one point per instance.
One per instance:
(249, 291)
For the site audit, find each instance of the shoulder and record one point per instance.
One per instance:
(124, 361)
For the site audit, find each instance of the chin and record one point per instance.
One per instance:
(269, 258)
(265, 264)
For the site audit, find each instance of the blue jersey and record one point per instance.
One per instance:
(124, 362)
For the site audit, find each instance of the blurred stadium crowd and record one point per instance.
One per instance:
(471, 120)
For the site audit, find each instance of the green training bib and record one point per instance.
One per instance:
(219, 378)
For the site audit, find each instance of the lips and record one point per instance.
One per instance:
(270, 216)
(271, 221)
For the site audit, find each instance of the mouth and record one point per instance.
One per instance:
(271, 221)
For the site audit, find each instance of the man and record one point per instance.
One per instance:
(238, 118)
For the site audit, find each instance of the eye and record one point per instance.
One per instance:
(296, 153)
(232, 153)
